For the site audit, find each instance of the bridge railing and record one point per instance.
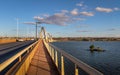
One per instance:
(53, 51)
(19, 56)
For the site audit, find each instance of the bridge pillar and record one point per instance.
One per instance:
(62, 65)
(76, 70)
(56, 58)
(52, 50)
(19, 58)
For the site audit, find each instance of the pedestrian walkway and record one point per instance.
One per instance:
(42, 63)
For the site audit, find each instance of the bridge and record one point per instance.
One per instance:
(43, 58)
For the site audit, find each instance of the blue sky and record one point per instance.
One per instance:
(61, 18)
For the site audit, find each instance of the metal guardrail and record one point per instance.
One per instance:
(53, 51)
(17, 56)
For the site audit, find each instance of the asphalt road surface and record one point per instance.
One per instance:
(10, 49)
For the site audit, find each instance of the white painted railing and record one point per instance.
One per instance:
(17, 56)
(53, 51)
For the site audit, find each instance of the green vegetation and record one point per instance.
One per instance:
(92, 47)
(86, 39)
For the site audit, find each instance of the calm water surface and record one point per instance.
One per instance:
(107, 62)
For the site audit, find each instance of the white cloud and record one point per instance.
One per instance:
(45, 15)
(57, 19)
(63, 18)
(82, 5)
(101, 9)
(38, 18)
(116, 9)
(87, 13)
(32, 23)
(79, 4)
(64, 11)
(74, 11)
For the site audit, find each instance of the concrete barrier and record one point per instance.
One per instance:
(25, 65)
(22, 65)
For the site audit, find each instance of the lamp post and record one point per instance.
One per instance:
(17, 28)
(36, 25)
(36, 31)
(37, 28)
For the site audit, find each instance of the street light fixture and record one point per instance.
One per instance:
(36, 26)
(17, 28)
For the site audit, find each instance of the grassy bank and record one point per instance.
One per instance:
(8, 40)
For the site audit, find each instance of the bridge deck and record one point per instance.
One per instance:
(42, 63)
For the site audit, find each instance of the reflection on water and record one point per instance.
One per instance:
(107, 62)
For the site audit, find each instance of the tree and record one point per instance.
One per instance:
(92, 47)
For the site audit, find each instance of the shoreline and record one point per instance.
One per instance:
(86, 39)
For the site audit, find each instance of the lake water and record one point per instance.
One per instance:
(108, 62)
